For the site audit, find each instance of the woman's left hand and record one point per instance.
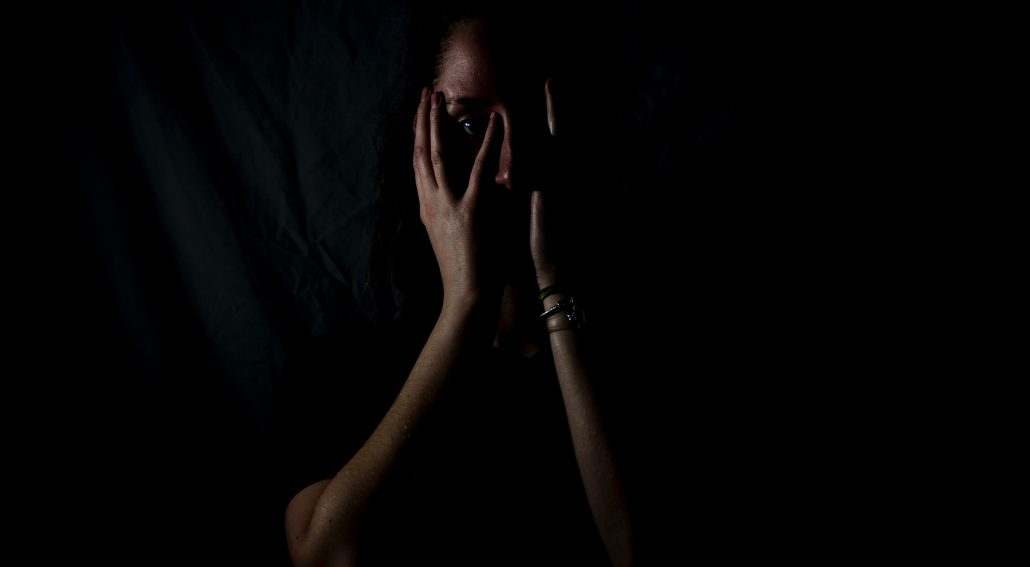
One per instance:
(541, 242)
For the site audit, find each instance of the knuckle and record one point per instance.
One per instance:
(437, 157)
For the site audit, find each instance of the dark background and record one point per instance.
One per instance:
(219, 161)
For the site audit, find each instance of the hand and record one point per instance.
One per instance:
(541, 231)
(453, 221)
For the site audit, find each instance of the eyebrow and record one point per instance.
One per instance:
(470, 101)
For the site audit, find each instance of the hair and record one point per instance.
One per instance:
(403, 276)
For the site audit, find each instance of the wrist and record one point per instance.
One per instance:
(553, 299)
(460, 304)
(548, 278)
(553, 292)
(562, 312)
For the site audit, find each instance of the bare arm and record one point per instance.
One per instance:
(321, 519)
(597, 467)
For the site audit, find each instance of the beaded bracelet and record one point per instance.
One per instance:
(549, 290)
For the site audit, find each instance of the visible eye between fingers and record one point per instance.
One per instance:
(474, 126)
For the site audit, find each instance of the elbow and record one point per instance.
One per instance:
(314, 541)
(311, 552)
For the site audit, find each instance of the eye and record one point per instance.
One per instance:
(473, 125)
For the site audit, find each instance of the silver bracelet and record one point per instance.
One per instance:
(564, 305)
(573, 314)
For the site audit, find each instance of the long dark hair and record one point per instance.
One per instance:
(403, 276)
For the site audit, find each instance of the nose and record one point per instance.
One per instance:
(505, 163)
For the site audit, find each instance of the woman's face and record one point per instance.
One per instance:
(481, 72)
(476, 78)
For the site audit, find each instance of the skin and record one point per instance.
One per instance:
(488, 270)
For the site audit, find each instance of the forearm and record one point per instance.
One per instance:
(338, 510)
(593, 452)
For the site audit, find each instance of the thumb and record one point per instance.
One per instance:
(543, 255)
(538, 228)
(536, 212)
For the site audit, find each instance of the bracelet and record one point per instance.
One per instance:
(574, 318)
(563, 306)
(549, 290)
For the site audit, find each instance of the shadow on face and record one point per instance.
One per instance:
(482, 69)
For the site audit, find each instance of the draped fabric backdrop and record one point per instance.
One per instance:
(221, 156)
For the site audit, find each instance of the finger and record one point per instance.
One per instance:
(480, 167)
(536, 212)
(436, 144)
(552, 120)
(421, 163)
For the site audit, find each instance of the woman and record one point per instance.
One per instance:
(465, 464)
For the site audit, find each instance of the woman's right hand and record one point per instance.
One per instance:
(454, 221)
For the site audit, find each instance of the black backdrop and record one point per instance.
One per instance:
(220, 156)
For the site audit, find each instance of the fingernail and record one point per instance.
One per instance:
(435, 100)
(424, 91)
